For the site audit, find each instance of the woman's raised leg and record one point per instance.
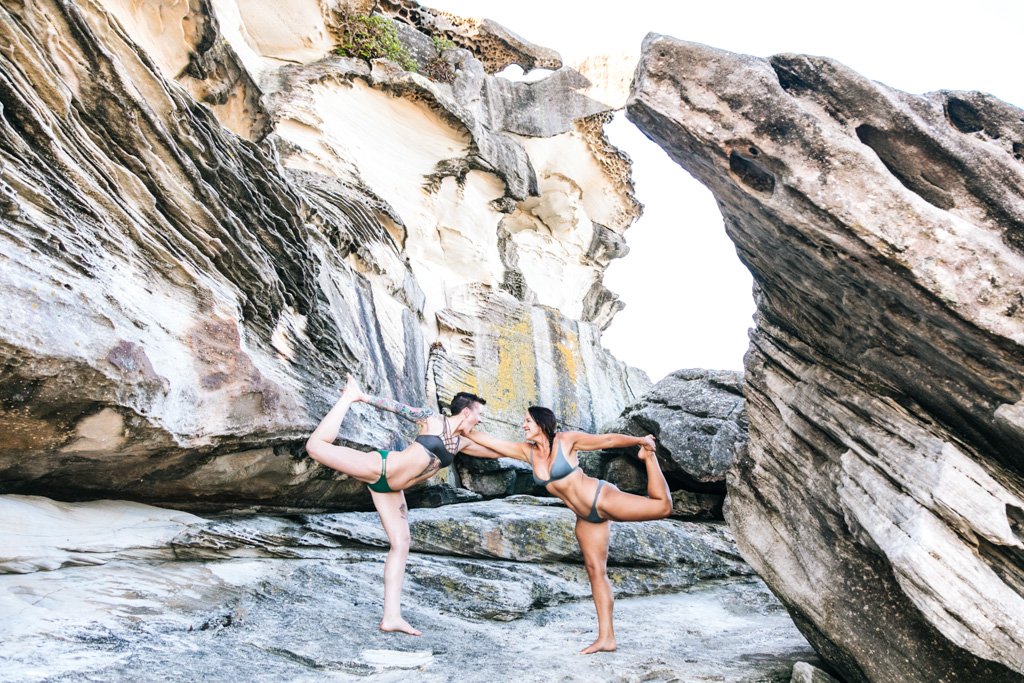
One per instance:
(627, 507)
(394, 516)
(593, 539)
(320, 445)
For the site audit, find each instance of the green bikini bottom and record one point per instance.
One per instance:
(381, 485)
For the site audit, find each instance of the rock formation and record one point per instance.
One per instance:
(881, 495)
(697, 417)
(207, 218)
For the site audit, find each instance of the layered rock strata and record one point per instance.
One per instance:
(881, 495)
(207, 218)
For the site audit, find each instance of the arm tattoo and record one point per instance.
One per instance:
(410, 413)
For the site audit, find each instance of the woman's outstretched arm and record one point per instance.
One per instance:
(597, 442)
(411, 413)
(470, 447)
(508, 449)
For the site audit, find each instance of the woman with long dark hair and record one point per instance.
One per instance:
(388, 474)
(552, 455)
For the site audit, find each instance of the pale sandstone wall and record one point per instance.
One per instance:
(209, 218)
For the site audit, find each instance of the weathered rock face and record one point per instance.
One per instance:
(497, 478)
(881, 495)
(145, 590)
(207, 219)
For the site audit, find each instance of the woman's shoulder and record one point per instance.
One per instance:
(432, 426)
(568, 436)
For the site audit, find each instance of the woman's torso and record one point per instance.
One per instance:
(560, 474)
(425, 456)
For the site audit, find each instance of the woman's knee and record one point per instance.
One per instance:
(400, 542)
(664, 507)
(596, 568)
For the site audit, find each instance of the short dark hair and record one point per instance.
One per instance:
(463, 400)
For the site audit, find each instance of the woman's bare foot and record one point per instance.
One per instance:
(599, 645)
(645, 453)
(398, 626)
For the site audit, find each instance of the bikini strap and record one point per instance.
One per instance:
(531, 454)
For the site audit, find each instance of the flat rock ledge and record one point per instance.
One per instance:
(269, 598)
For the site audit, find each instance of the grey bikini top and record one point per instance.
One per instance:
(560, 468)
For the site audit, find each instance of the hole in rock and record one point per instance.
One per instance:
(1018, 151)
(914, 164)
(1007, 562)
(963, 116)
(751, 174)
(1015, 516)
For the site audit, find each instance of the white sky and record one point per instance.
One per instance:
(687, 296)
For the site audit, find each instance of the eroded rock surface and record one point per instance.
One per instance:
(697, 418)
(207, 218)
(881, 494)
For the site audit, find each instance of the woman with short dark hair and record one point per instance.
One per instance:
(552, 455)
(388, 474)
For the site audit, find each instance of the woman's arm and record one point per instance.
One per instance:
(470, 447)
(583, 441)
(508, 449)
(411, 413)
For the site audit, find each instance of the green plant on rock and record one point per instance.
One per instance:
(371, 36)
(441, 43)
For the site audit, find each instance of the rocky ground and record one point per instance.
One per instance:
(120, 591)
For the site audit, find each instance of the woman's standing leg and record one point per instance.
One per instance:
(593, 539)
(394, 516)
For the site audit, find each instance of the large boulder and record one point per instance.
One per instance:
(881, 494)
(697, 417)
(208, 218)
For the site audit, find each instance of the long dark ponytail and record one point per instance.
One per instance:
(545, 419)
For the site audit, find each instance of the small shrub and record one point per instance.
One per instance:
(366, 36)
(441, 43)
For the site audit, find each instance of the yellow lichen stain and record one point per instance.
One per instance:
(471, 382)
(569, 346)
(569, 350)
(515, 384)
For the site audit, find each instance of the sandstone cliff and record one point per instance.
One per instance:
(882, 492)
(207, 218)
